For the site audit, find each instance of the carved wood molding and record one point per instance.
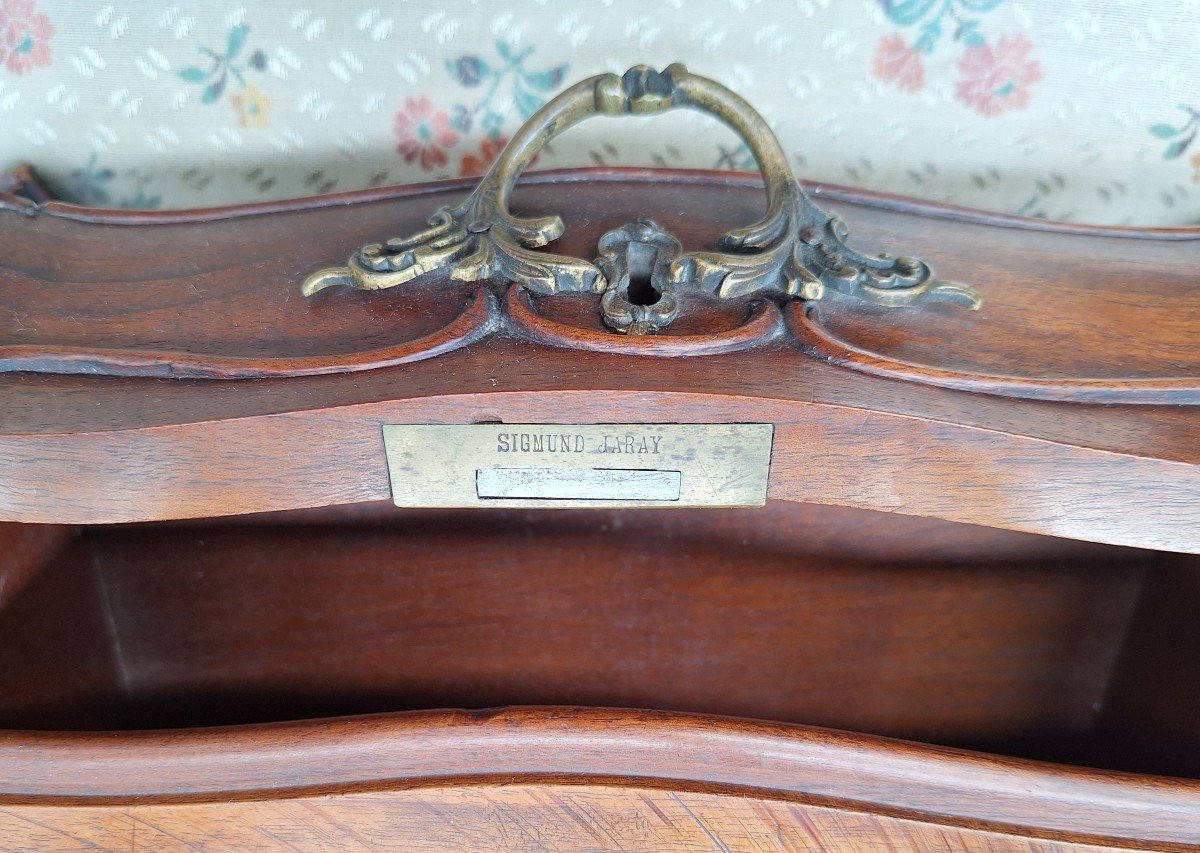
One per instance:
(164, 294)
(804, 326)
(683, 751)
(478, 319)
(764, 325)
(516, 314)
(864, 459)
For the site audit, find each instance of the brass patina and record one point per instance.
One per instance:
(796, 250)
(578, 465)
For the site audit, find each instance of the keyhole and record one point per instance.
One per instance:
(642, 291)
(640, 258)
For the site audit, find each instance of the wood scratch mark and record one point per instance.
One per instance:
(562, 805)
(767, 815)
(343, 828)
(26, 819)
(602, 825)
(277, 839)
(713, 837)
(648, 800)
(580, 821)
(803, 823)
(155, 828)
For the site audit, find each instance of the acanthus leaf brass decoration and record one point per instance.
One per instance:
(795, 251)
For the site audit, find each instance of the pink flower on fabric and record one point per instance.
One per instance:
(995, 80)
(477, 164)
(24, 36)
(896, 62)
(424, 133)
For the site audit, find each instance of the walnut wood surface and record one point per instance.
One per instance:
(1143, 702)
(849, 601)
(967, 637)
(865, 620)
(815, 339)
(822, 454)
(676, 752)
(476, 319)
(221, 286)
(509, 817)
(763, 325)
(1057, 305)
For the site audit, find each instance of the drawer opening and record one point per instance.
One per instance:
(883, 624)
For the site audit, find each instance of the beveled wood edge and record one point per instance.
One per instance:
(764, 326)
(821, 454)
(478, 319)
(593, 745)
(594, 174)
(796, 325)
(814, 339)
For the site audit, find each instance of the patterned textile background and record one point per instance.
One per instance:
(1069, 109)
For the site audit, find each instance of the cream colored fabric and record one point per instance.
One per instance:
(1069, 109)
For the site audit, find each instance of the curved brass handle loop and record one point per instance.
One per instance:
(795, 250)
(640, 91)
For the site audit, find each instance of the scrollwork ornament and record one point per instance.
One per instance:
(796, 251)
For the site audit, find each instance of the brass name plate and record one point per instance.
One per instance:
(578, 465)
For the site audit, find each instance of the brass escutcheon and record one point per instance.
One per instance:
(796, 250)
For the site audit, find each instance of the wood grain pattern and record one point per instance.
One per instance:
(806, 327)
(822, 454)
(680, 752)
(200, 673)
(51, 204)
(1040, 314)
(868, 620)
(478, 319)
(763, 326)
(990, 641)
(512, 817)
(79, 449)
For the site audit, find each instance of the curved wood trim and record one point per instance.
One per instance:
(607, 174)
(822, 453)
(764, 325)
(817, 341)
(508, 816)
(617, 746)
(478, 319)
(962, 213)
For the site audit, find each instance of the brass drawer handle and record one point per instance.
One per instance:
(795, 251)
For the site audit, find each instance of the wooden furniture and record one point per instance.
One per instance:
(964, 619)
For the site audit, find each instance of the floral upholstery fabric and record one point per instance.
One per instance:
(1069, 109)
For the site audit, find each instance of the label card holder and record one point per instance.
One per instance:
(578, 465)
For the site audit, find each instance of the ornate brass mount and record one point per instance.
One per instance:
(795, 251)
